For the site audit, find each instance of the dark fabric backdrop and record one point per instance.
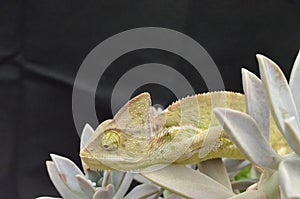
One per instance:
(42, 44)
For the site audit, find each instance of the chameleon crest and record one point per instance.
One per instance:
(185, 132)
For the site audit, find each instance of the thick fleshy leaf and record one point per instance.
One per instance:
(250, 195)
(143, 191)
(256, 100)
(85, 136)
(87, 133)
(106, 178)
(94, 176)
(61, 187)
(234, 166)
(210, 167)
(278, 92)
(105, 193)
(67, 171)
(295, 82)
(187, 182)
(113, 177)
(293, 134)
(264, 177)
(252, 187)
(289, 175)
(117, 178)
(246, 135)
(140, 179)
(167, 193)
(269, 183)
(126, 182)
(174, 196)
(99, 183)
(243, 184)
(47, 197)
(86, 186)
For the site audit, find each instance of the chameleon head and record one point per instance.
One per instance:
(113, 149)
(126, 142)
(120, 143)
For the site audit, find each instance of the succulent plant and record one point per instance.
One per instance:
(72, 183)
(265, 174)
(250, 132)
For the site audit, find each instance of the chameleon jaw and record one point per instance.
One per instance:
(101, 163)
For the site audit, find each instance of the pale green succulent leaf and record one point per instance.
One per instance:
(293, 134)
(94, 176)
(278, 91)
(295, 82)
(250, 195)
(87, 133)
(167, 193)
(143, 191)
(99, 182)
(67, 171)
(117, 178)
(174, 196)
(86, 186)
(123, 188)
(106, 178)
(247, 136)
(210, 167)
(269, 183)
(139, 178)
(265, 175)
(243, 184)
(256, 100)
(187, 182)
(105, 193)
(60, 186)
(289, 175)
(233, 166)
(85, 136)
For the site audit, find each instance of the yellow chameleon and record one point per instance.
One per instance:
(184, 133)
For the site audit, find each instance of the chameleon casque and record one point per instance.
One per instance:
(186, 132)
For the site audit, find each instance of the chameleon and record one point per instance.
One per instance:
(186, 132)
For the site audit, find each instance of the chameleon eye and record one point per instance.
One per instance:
(110, 140)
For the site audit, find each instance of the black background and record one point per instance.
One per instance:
(42, 44)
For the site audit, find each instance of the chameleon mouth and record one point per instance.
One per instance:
(102, 163)
(86, 154)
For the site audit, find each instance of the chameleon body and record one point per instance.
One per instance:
(186, 132)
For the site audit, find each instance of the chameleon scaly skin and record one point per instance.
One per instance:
(184, 133)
